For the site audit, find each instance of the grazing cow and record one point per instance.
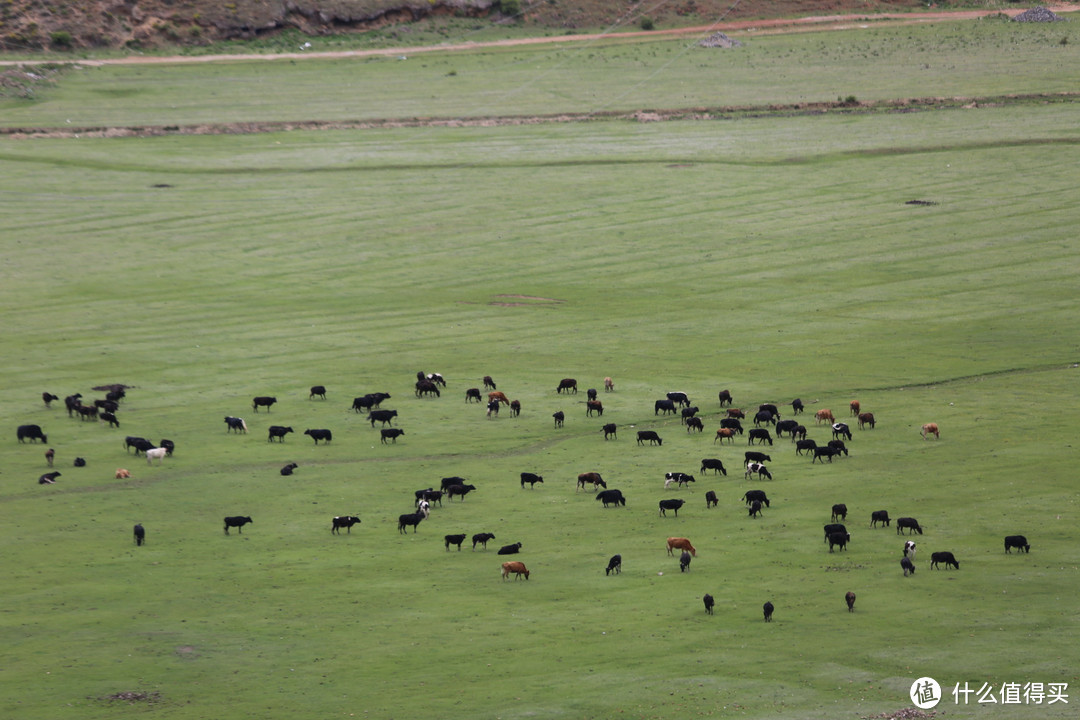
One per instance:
(736, 414)
(824, 416)
(413, 519)
(235, 424)
(909, 549)
(854, 405)
(499, 397)
(755, 456)
(262, 401)
(72, 402)
(764, 416)
(594, 406)
(799, 433)
(907, 522)
(931, 429)
(448, 482)
(518, 568)
(838, 446)
(880, 516)
(1016, 541)
(277, 431)
(80, 462)
(369, 401)
(48, 478)
(796, 406)
(786, 426)
(767, 610)
(757, 469)
(513, 549)
(317, 390)
(110, 418)
(288, 469)
(943, 557)
(317, 435)
(680, 543)
(493, 408)
(567, 384)
(909, 567)
(140, 534)
(590, 394)
(866, 419)
(838, 539)
(850, 600)
(515, 408)
(123, 474)
(694, 423)
(449, 540)
(679, 398)
(48, 398)
(427, 387)
(839, 510)
(609, 384)
(169, 446)
(649, 435)
(106, 405)
(87, 412)
(755, 508)
(614, 565)
(590, 477)
(665, 406)
(531, 478)
(671, 504)
(732, 424)
(684, 561)
(386, 417)
(724, 434)
(760, 434)
(461, 490)
(32, 433)
(713, 464)
(481, 539)
(711, 499)
(834, 528)
(753, 496)
(611, 497)
(824, 452)
(436, 378)
(609, 431)
(809, 445)
(155, 454)
(238, 522)
(391, 434)
(839, 429)
(677, 477)
(559, 417)
(489, 383)
(709, 603)
(344, 521)
(50, 454)
(429, 496)
(725, 398)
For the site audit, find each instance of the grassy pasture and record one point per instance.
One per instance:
(774, 257)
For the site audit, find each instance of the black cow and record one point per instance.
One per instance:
(755, 456)
(799, 433)
(694, 423)
(110, 418)
(839, 510)
(770, 408)
(767, 610)
(908, 522)
(72, 402)
(262, 401)
(32, 433)
(709, 603)
(473, 394)
(391, 433)
(665, 406)
(796, 406)
(711, 499)
(679, 398)
(430, 495)
(510, 549)
(48, 478)
(482, 539)
(1016, 541)
(649, 435)
(760, 434)
(755, 508)
(805, 445)
(386, 417)
(48, 397)
(752, 496)
(489, 384)
(590, 394)
(943, 557)
(80, 462)
(369, 402)
(839, 429)
(838, 539)
(515, 408)
(725, 398)
(277, 431)
(838, 446)
(732, 424)
(87, 412)
(344, 521)
(408, 519)
(427, 387)
(317, 390)
(834, 528)
(461, 490)
(672, 504)
(909, 567)
(169, 446)
(824, 452)
(684, 561)
(317, 435)
(531, 478)
(238, 522)
(764, 416)
(559, 417)
(567, 384)
(140, 534)
(614, 565)
(689, 412)
(449, 540)
(116, 394)
(235, 424)
(786, 426)
(879, 516)
(448, 482)
(49, 455)
(609, 431)
(713, 464)
(106, 405)
(288, 469)
(611, 497)
(140, 444)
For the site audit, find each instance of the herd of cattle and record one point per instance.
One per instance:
(766, 417)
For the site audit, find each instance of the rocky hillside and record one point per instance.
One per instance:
(34, 25)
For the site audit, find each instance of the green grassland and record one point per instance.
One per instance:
(776, 257)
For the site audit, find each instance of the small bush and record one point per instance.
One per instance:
(510, 7)
(647, 24)
(61, 39)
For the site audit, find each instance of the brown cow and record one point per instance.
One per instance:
(498, 396)
(609, 384)
(930, 428)
(680, 543)
(850, 598)
(866, 419)
(824, 415)
(855, 407)
(724, 434)
(518, 568)
(736, 413)
(590, 477)
(121, 474)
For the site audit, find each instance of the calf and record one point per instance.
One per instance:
(909, 567)
(594, 406)
(567, 384)
(724, 434)
(711, 500)
(611, 497)
(1016, 541)
(911, 524)
(664, 406)
(449, 540)
(824, 416)
(931, 429)
(880, 516)
(50, 455)
(684, 561)
(262, 401)
(518, 568)
(317, 390)
(512, 549)
(559, 417)
(32, 433)
(752, 496)
(609, 431)
(238, 522)
(156, 454)
(391, 434)
(279, 432)
(48, 397)
(413, 519)
(713, 464)
(493, 408)
(515, 408)
(754, 456)
(386, 417)
(694, 423)
(79, 462)
(235, 424)
(680, 543)
(649, 435)
(140, 534)
(839, 429)
(672, 504)
(725, 398)
(909, 549)
(614, 565)
(317, 435)
(760, 434)
(461, 490)
(808, 445)
(123, 474)
(481, 539)
(839, 511)
(755, 508)
(489, 384)
(796, 406)
(838, 539)
(344, 521)
(531, 478)
(288, 469)
(48, 478)
(850, 600)
(609, 385)
(943, 557)
(767, 610)
(757, 469)
(709, 603)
